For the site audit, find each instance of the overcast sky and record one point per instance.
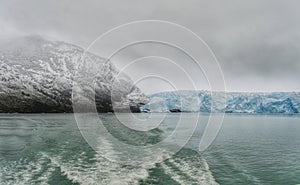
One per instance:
(257, 42)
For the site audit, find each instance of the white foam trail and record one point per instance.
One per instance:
(23, 172)
(101, 171)
(188, 171)
(173, 174)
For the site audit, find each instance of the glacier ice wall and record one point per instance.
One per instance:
(203, 101)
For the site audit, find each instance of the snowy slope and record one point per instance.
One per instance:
(202, 101)
(36, 75)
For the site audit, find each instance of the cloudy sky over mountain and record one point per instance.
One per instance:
(257, 42)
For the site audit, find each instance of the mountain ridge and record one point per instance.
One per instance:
(36, 75)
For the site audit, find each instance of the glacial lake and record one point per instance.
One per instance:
(249, 149)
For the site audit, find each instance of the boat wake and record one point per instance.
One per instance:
(55, 153)
(186, 167)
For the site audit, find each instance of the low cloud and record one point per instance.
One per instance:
(257, 42)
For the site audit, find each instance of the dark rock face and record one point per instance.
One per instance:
(175, 110)
(36, 75)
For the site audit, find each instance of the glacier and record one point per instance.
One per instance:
(36, 75)
(232, 102)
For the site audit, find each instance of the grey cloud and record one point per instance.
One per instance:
(257, 42)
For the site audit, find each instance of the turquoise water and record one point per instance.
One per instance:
(49, 149)
(257, 150)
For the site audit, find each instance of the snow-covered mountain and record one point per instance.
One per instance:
(203, 101)
(36, 75)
